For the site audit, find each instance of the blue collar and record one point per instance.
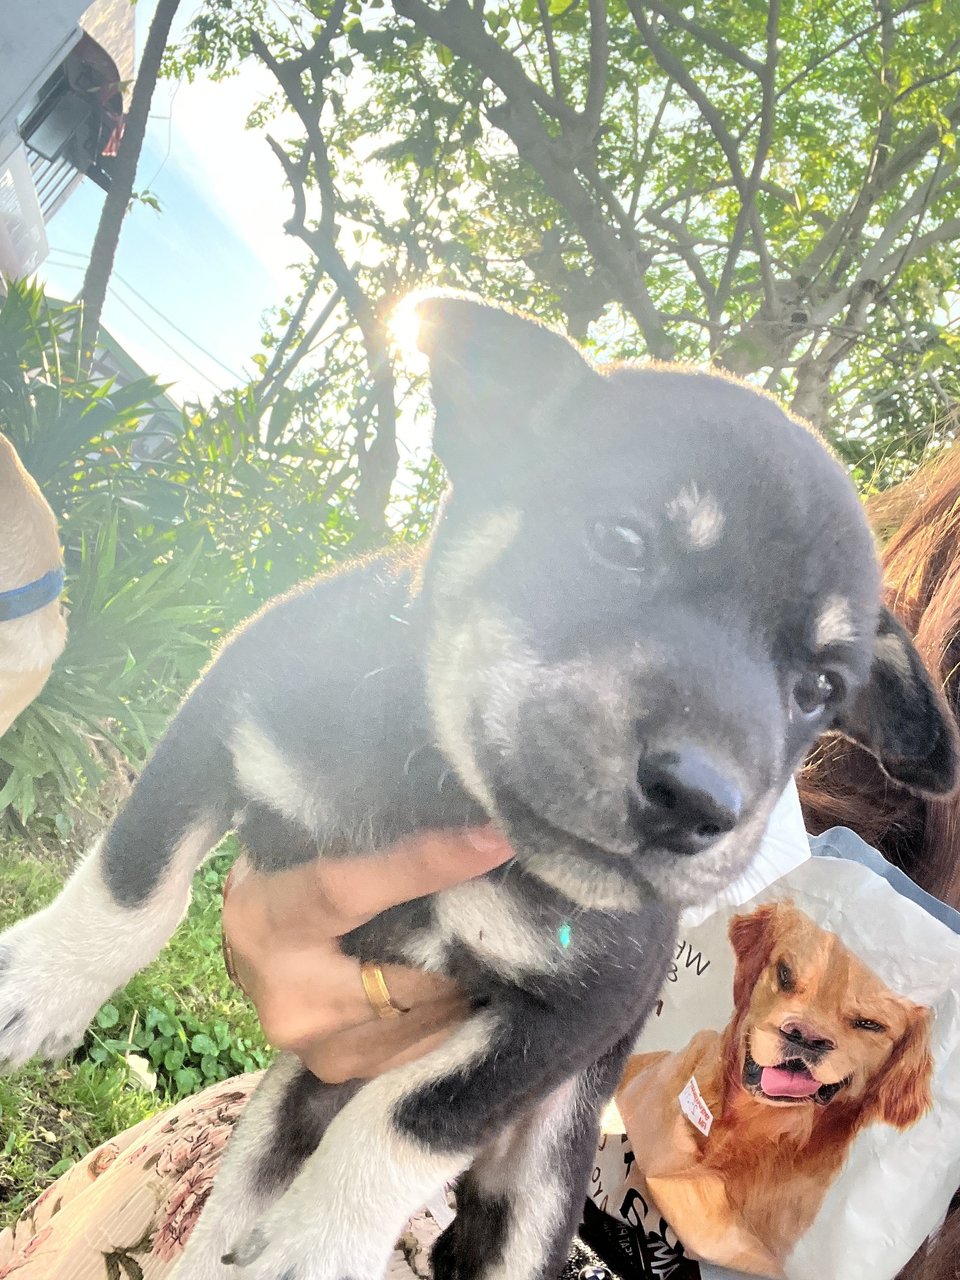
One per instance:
(28, 599)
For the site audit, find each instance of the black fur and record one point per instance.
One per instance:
(476, 1238)
(306, 1111)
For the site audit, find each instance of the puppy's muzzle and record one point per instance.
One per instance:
(683, 802)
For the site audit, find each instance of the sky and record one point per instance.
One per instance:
(191, 284)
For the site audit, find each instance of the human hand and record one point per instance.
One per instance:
(281, 931)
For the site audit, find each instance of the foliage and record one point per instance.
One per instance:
(163, 552)
(269, 497)
(774, 188)
(140, 622)
(183, 1052)
(190, 1032)
(50, 1117)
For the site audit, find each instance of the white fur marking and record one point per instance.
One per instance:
(467, 557)
(322, 1227)
(489, 920)
(699, 516)
(834, 624)
(522, 1167)
(426, 949)
(582, 881)
(891, 652)
(466, 642)
(265, 774)
(64, 962)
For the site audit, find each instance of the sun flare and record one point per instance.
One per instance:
(404, 330)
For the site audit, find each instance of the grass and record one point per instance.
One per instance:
(181, 1016)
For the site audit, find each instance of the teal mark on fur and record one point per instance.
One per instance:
(564, 933)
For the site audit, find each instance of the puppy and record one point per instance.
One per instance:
(33, 627)
(817, 1049)
(647, 593)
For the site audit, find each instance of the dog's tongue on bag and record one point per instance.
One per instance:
(779, 1083)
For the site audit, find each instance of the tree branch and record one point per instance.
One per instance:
(599, 56)
(552, 56)
(550, 158)
(379, 458)
(815, 370)
(748, 214)
(672, 66)
(278, 374)
(918, 245)
(296, 320)
(883, 180)
(712, 39)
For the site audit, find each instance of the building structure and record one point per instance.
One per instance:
(65, 69)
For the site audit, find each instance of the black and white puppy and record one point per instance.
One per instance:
(648, 592)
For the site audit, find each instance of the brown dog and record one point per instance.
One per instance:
(816, 1049)
(33, 627)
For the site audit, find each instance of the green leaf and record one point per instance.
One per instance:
(173, 1059)
(108, 1016)
(186, 1080)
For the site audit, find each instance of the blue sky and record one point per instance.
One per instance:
(216, 258)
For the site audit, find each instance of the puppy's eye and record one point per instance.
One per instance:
(817, 690)
(785, 976)
(623, 543)
(868, 1024)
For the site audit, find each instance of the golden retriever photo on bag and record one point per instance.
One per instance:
(746, 1128)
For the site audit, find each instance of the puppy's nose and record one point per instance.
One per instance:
(806, 1037)
(683, 801)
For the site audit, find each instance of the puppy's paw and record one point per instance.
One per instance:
(303, 1256)
(47, 999)
(255, 1257)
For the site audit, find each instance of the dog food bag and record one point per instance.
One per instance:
(793, 1105)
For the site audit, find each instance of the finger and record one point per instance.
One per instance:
(295, 1010)
(367, 1051)
(340, 1067)
(354, 890)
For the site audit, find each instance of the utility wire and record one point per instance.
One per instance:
(239, 377)
(70, 266)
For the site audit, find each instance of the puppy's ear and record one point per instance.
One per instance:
(752, 938)
(901, 718)
(498, 380)
(902, 1094)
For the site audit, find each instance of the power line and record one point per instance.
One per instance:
(70, 266)
(239, 377)
(150, 329)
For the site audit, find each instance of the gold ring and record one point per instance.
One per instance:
(377, 992)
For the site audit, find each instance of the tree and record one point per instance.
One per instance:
(123, 174)
(770, 187)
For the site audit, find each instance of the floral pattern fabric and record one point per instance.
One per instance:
(126, 1211)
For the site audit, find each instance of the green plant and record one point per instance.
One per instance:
(183, 1003)
(50, 1118)
(184, 1052)
(139, 632)
(181, 1017)
(75, 435)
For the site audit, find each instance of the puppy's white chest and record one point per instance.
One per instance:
(494, 925)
